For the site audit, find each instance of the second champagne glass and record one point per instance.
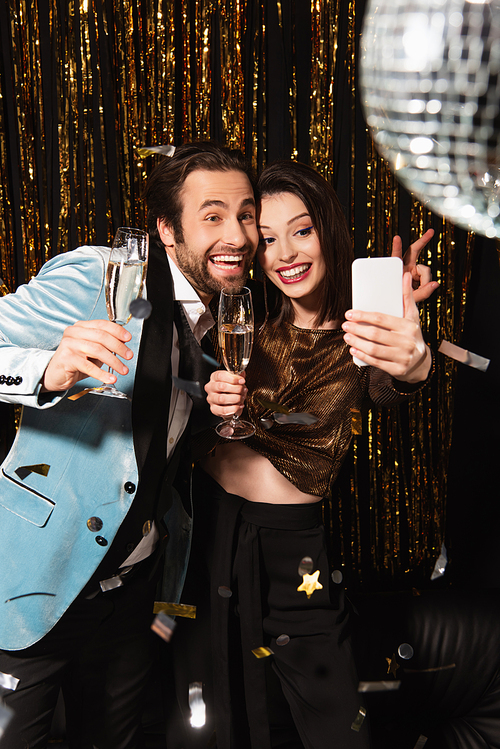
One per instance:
(125, 276)
(235, 328)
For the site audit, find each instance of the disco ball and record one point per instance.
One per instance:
(430, 87)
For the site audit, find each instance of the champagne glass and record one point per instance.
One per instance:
(235, 328)
(125, 276)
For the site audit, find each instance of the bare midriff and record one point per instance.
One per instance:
(242, 471)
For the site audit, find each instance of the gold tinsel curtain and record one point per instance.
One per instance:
(86, 83)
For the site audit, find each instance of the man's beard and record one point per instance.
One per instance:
(196, 270)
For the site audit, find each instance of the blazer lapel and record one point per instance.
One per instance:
(151, 397)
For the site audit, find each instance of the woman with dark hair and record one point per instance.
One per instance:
(283, 671)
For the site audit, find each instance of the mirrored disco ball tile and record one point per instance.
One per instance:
(430, 87)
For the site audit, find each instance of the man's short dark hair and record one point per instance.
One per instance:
(165, 183)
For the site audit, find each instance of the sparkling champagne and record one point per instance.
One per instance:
(123, 284)
(236, 345)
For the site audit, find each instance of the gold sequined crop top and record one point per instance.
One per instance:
(310, 371)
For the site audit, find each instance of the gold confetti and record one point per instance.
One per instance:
(75, 396)
(273, 406)
(42, 469)
(262, 652)
(358, 721)
(175, 609)
(310, 584)
(429, 670)
(356, 421)
(392, 665)
(142, 152)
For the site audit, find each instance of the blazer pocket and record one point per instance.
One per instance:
(26, 503)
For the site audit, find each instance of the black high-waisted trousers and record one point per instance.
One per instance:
(302, 692)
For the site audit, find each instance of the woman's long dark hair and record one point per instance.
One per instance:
(330, 224)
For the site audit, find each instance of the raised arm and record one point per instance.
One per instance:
(393, 344)
(422, 283)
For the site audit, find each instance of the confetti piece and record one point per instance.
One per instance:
(429, 670)
(163, 625)
(211, 360)
(440, 566)
(422, 741)
(42, 469)
(197, 705)
(267, 423)
(140, 308)
(306, 566)
(111, 583)
(378, 686)
(463, 356)
(75, 396)
(144, 151)
(262, 652)
(358, 721)
(273, 406)
(224, 591)
(5, 716)
(282, 640)
(175, 609)
(356, 421)
(189, 387)
(405, 651)
(337, 577)
(392, 665)
(310, 584)
(7, 681)
(295, 418)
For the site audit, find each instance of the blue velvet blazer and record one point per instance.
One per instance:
(47, 551)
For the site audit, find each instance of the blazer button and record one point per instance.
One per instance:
(94, 524)
(129, 487)
(18, 380)
(101, 541)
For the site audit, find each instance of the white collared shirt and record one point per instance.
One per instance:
(200, 320)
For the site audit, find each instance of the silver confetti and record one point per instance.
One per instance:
(282, 640)
(305, 566)
(164, 626)
(422, 741)
(197, 705)
(440, 566)
(298, 418)
(463, 356)
(405, 651)
(337, 577)
(189, 387)
(7, 681)
(378, 686)
(266, 423)
(358, 721)
(140, 308)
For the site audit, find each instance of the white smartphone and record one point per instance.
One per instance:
(377, 286)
